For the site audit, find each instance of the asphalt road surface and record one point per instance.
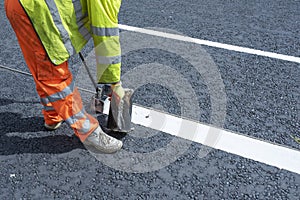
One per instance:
(261, 98)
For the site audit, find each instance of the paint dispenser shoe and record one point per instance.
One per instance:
(115, 105)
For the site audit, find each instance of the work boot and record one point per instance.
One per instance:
(103, 142)
(53, 127)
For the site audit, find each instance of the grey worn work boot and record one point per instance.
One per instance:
(103, 142)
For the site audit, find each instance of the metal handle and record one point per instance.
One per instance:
(88, 71)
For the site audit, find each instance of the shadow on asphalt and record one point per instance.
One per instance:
(11, 122)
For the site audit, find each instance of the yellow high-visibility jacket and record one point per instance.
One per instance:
(65, 26)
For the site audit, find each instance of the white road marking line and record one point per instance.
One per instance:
(211, 44)
(241, 145)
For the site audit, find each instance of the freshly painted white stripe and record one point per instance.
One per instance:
(247, 147)
(211, 44)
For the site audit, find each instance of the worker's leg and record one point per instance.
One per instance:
(103, 15)
(28, 41)
(54, 84)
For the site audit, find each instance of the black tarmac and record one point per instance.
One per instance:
(262, 101)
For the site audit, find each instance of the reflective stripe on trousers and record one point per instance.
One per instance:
(53, 83)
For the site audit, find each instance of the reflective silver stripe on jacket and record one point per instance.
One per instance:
(107, 60)
(58, 23)
(59, 95)
(81, 19)
(105, 31)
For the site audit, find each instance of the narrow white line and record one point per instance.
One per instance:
(261, 151)
(211, 44)
(15, 70)
(28, 74)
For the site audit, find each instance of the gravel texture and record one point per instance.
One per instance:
(262, 101)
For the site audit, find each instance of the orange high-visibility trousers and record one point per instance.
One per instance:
(54, 83)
